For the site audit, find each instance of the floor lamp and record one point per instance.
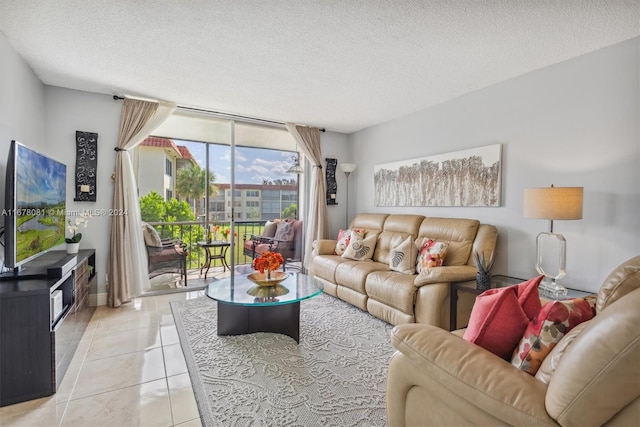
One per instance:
(347, 168)
(552, 203)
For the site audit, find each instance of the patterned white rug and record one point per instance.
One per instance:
(336, 376)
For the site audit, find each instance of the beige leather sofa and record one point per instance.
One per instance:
(393, 296)
(591, 378)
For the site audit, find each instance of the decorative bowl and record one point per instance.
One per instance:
(261, 279)
(267, 293)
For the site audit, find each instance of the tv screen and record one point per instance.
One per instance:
(35, 204)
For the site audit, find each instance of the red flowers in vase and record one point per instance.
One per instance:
(269, 261)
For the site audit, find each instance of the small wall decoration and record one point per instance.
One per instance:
(461, 178)
(332, 187)
(86, 166)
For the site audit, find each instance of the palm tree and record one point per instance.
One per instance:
(190, 184)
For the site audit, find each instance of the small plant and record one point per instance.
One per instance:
(73, 227)
(482, 263)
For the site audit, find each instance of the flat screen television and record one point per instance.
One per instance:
(35, 205)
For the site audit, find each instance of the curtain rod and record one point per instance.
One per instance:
(201, 110)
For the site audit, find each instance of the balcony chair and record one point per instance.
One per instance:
(281, 236)
(164, 255)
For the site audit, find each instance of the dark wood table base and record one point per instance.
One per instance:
(242, 319)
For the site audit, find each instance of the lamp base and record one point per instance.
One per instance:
(550, 289)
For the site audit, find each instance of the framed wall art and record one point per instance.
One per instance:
(86, 166)
(462, 178)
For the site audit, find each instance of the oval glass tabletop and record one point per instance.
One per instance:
(239, 290)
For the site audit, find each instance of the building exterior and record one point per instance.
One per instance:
(258, 202)
(159, 160)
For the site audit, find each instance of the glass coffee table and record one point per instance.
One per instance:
(245, 308)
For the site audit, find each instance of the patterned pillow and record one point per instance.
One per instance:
(431, 254)
(359, 248)
(555, 319)
(285, 231)
(344, 236)
(403, 256)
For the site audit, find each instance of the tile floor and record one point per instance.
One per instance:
(127, 371)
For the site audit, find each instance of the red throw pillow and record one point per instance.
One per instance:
(497, 321)
(528, 296)
(544, 332)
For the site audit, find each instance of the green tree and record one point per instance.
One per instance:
(152, 207)
(190, 184)
(178, 211)
(290, 211)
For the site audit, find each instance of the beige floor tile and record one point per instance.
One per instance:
(183, 402)
(126, 321)
(37, 416)
(174, 360)
(123, 342)
(191, 423)
(145, 404)
(102, 375)
(169, 334)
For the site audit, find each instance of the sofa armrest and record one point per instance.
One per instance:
(324, 246)
(452, 273)
(481, 379)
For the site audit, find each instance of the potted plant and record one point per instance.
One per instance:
(73, 242)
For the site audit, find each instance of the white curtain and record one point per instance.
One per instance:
(317, 222)
(128, 272)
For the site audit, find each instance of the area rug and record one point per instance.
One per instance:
(336, 376)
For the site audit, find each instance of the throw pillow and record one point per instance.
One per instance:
(403, 256)
(528, 296)
(555, 319)
(151, 236)
(284, 231)
(270, 228)
(497, 321)
(431, 254)
(361, 249)
(344, 237)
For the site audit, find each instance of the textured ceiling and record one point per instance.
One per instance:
(340, 64)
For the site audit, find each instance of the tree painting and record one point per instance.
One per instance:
(462, 178)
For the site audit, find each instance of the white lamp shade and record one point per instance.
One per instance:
(553, 203)
(348, 167)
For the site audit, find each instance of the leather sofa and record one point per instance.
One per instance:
(393, 296)
(590, 378)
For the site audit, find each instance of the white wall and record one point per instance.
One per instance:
(571, 124)
(21, 107)
(66, 112)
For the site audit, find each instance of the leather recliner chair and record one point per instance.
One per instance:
(592, 376)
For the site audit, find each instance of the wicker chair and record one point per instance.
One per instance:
(284, 237)
(164, 255)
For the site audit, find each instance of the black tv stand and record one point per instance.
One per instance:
(36, 343)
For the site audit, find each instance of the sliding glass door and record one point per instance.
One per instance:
(212, 182)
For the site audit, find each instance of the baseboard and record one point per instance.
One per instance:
(98, 299)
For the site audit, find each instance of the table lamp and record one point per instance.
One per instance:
(552, 203)
(347, 168)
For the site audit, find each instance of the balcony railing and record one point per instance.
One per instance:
(192, 232)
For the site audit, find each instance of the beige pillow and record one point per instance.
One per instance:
(270, 228)
(151, 236)
(360, 249)
(403, 257)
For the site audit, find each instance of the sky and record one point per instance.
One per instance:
(253, 165)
